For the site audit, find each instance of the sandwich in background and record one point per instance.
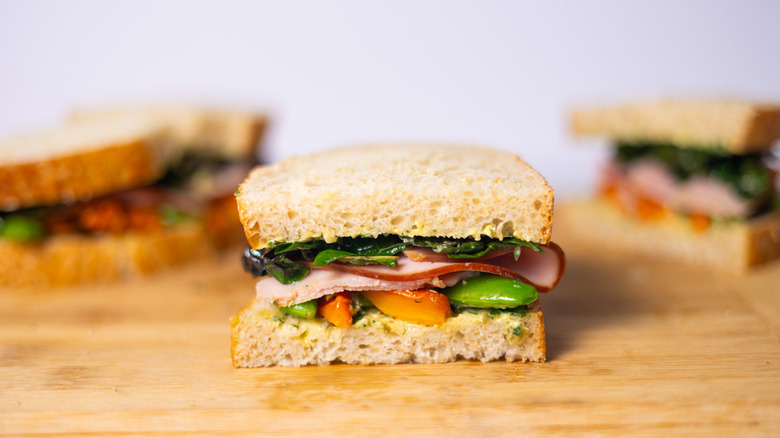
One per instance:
(210, 132)
(689, 180)
(104, 198)
(395, 254)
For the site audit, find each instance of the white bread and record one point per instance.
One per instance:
(402, 189)
(72, 259)
(732, 246)
(262, 335)
(233, 133)
(80, 161)
(737, 126)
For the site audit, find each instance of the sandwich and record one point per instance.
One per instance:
(105, 198)
(688, 180)
(395, 254)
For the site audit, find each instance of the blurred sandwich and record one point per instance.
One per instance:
(395, 254)
(688, 180)
(111, 195)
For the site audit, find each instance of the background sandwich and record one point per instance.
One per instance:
(688, 180)
(396, 253)
(108, 196)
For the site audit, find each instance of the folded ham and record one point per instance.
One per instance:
(541, 270)
(649, 179)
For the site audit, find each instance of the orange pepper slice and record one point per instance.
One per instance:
(143, 219)
(106, 215)
(700, 222)
(648, 209)
(423, 306)
(336, 309)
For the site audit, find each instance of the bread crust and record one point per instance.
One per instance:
(737, 126)
(80, 176)
(732, 246)
(233, 133)
(72, 259)
(404, 189)
(102, 152)
(263, 336)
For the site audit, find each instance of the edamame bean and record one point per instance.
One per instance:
(305, 310)
(20, 228)
(491, 291)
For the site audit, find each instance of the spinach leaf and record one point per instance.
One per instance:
(285, 270)
(469, 248)
(331, 255)
(282, 268)
(280, 248)
(384, 245)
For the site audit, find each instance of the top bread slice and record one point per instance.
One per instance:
(229, 133)
(401, 189)
(80, 161)
(736, 126)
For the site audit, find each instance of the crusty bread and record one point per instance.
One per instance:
(72, 259)
(737, 126)
(405, 189)
(80, 161)
(230, 132)
(262, 335)
(731, 246)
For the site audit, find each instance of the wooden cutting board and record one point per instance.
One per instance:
(634, 347)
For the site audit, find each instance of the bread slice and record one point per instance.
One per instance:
(232, 133)
(72, 259)
(402, 189)
(730, 246)
(79, 162)
(737, 126)
(261, 335)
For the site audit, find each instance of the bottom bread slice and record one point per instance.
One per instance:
(732, 246)
(73, 259)
(262, 335)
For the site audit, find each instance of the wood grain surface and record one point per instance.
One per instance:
(634, 348)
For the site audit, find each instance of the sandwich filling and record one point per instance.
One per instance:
(197, 188)
(647, 180)
(414, 279)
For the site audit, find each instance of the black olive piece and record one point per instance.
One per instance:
(253, 261)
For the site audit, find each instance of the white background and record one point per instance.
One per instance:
(497, 73)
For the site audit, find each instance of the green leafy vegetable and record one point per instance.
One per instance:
(462, 248)
(747, 175)
(368, 246)
(280, 248)
(331, 255)
(193, 161)
(286, 270)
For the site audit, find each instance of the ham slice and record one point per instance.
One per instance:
(541, 270)
(321, 282)
(650, 179)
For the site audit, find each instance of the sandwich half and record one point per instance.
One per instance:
(395, 254)
(105, 198)
(688, 180)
